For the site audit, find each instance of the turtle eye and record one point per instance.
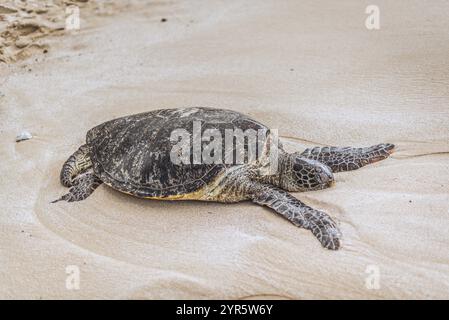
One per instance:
(297, 167)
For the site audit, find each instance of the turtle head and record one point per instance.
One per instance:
(302, 174)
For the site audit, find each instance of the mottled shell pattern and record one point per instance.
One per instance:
(132, 153)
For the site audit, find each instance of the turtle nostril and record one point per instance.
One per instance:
(326, 177)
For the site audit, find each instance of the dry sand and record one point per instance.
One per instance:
(309, 68)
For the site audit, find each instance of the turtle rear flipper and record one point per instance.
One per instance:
(347, 158)
(83, 186)
(76, 164)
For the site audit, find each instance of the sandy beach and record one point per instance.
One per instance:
(308, 68)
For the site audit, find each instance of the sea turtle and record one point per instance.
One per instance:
(135, 155)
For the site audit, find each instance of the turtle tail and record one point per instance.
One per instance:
(75, 164)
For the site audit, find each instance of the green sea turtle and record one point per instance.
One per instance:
(137, 155)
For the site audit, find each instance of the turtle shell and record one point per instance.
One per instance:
(132, 153)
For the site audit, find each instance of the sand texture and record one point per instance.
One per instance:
(309, 68)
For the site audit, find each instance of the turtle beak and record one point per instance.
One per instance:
(326, 176)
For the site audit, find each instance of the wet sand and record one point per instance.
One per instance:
(310, 69)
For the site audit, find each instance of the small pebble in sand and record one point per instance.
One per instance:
(24, 135)
(22, 42)
(163, 20)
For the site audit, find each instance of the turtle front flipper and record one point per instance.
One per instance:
(301, 215)
(83, 186)
(347, 158)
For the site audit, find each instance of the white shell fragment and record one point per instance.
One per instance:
(24, 135)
